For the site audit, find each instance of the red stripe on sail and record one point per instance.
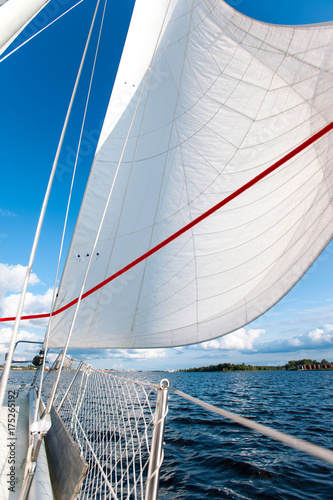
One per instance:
(196, 221)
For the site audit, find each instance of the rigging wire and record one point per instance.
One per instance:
(31, 450)
(46, 339)
(76, 159)
(4, 378)
(40, 31)
(78, 301)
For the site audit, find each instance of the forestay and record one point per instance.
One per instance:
(205, 100)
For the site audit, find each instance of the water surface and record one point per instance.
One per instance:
(206, 456)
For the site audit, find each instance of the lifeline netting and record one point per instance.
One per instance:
(110, 419)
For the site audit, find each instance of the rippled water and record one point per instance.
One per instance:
(207, 456)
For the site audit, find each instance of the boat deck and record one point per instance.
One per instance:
(14, 426)
(14, 438)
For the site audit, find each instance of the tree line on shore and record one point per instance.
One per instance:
(231, 367)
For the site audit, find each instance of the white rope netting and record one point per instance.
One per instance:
(113, 420)
(110, 419)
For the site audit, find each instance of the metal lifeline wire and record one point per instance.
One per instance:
(111, 419)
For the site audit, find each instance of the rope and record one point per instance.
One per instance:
(111, 419)
(300, 444)
(94, 454)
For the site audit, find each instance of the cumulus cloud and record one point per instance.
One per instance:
(138, 354)
(12, 277)
(51, 357)
(11, 282)
(250, 341)
(5, 336)
(6, 333)
(322, 335)
(319, 338)
(240, 340)
(34, 304)
(3, 349)
(120, 354)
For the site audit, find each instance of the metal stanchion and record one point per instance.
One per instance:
(156, 454)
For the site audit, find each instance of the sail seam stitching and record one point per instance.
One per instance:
(193, 223)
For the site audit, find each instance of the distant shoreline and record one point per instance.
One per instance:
(295, 365)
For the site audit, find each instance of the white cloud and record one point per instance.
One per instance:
(12, 278)
(51, 357)
(240, 340)
(319, 338)
(33, 304)
(5, 336)
(295, 342)
(120, 354)
(11, 283)
(6, 333)
(321, 335)
(3, 349)
(138, 354)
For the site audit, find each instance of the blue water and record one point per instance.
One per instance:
(206, 456)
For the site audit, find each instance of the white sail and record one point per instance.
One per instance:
(223, 97)
(14, 16)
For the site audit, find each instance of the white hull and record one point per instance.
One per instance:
(14, 436)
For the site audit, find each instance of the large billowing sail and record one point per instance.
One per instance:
(14, 16)
(205, 100)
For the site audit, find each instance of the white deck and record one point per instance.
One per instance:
(14, 439)
(13, 447)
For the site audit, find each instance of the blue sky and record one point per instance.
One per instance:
(35, 83)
